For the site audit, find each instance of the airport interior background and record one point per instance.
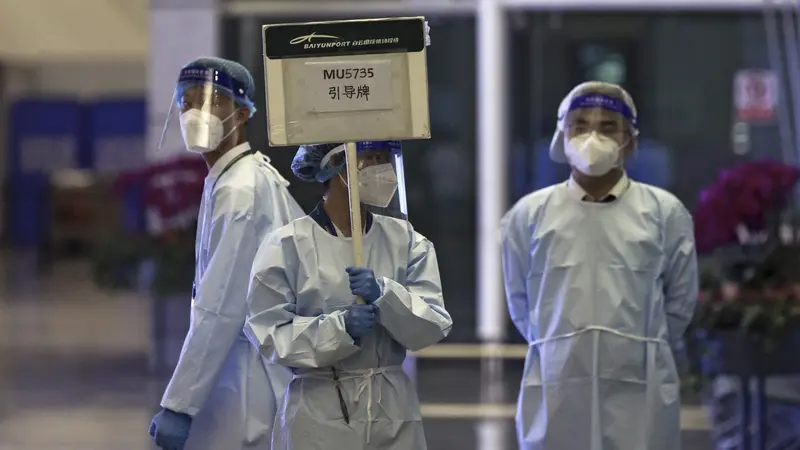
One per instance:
(87, 339)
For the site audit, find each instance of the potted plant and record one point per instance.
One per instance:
(748, 313)
(744, 224)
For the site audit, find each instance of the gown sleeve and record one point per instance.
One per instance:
(219, 307)
(681, 280)
(273, 325)
(516, 266)
(414, 314)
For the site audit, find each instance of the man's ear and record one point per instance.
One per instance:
(630, 146)
(242, 115)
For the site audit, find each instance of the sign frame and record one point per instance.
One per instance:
(400, 41)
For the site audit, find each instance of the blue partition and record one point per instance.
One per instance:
(28, 209)
(116, 134)
(45, 135)
(117, 130)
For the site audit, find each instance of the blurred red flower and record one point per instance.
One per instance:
(742, 195)
(172, 189)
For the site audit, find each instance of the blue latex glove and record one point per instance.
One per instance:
(358, 319)
(170, 429)
(364, 284)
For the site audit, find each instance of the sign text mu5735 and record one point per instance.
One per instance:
(357, 73)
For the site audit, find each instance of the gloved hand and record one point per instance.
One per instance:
(364, 284)
(358, 319)
(170, 429)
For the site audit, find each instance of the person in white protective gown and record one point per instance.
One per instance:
(601, 280)
(223, 394)
(349, 390)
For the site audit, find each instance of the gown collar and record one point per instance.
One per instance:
(321, 217)
(222, 162)
(616, 192)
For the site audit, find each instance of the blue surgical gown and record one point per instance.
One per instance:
(221, 380)
(602, 292)
(297, 297)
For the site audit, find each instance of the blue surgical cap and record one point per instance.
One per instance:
(307, 163)
(238, 76)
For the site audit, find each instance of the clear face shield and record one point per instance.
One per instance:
(381, 176)
(381, 179)
(593, 133)
(207, 106)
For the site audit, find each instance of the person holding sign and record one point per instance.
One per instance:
(601, 280)
(223, 394)
(349, 390)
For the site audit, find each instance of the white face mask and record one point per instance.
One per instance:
(377, 185)
(202, 131)
(593, 154)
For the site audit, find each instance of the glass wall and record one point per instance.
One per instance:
(678, 67)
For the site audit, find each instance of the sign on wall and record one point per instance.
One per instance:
(755, 95)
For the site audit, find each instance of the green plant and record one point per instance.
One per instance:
(118, 261)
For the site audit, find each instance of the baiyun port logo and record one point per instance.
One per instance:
(310, 37)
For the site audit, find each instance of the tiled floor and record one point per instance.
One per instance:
(73, 373)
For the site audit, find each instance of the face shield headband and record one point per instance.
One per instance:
(366, 146)
(200, 76)
(601, 101)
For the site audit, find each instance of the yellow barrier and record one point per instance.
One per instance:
(473, 351)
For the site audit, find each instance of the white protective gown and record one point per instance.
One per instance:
(221, 380)
(302, 268)
(602, 292)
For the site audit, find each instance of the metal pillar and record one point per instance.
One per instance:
(178, 34)
(492, 167)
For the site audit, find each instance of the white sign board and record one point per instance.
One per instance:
(348, 86)
(346, 81)
(755, 95)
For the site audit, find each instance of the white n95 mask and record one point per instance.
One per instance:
(592, 154)
(202, 131)
(377, 185)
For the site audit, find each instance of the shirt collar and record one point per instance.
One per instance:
(579, 193)
(223, 161)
